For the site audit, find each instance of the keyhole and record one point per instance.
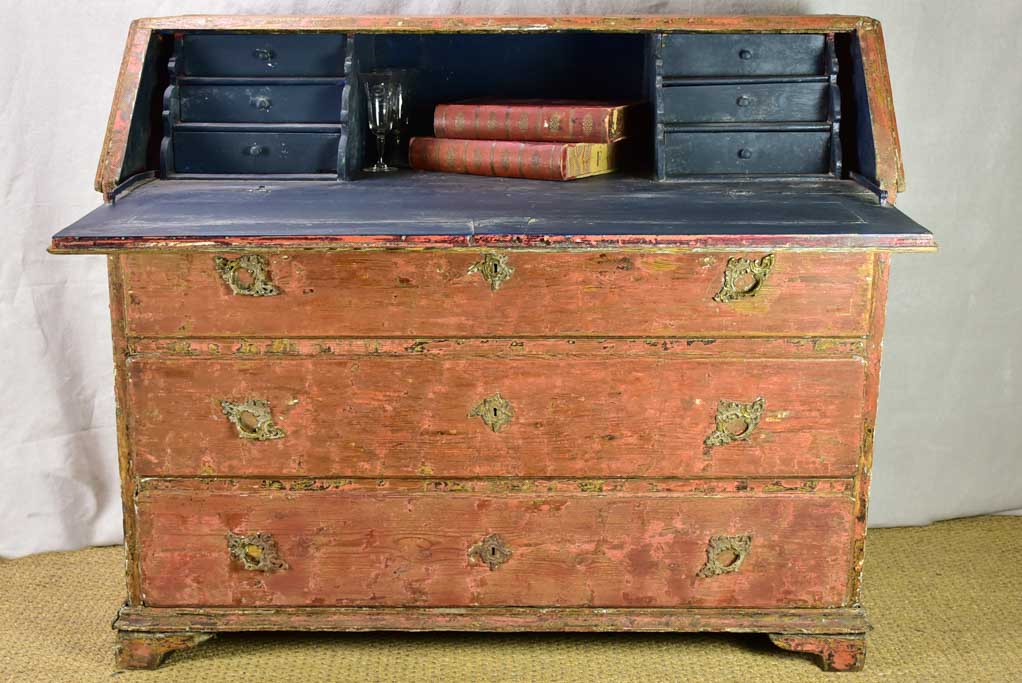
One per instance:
(496, 268)
(493, 551)
(495, 412)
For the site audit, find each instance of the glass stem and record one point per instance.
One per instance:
(381, 144)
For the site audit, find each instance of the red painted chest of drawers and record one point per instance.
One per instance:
(436, 402)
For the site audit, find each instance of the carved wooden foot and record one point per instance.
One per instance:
(836, 653)
(147, 650)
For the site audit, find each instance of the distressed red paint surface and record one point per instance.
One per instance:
(835, 653)
(842, 620)
(383, 293)
(568, 550)
(572, 416)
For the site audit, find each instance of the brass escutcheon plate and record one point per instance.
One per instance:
(494, 268)
(743, 278)
(730, 413)
(256, 552)
(252, 419)
(725, 555)
(491, 551)
(255, 266)
(495, 411)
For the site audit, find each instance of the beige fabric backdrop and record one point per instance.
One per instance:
(945, 444)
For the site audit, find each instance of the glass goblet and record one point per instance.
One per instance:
(400, 109)
(379, 99)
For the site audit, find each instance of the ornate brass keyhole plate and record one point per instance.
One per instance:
(735, 421)
(256, 552)
(252, 419)
(495, 411)
(743, 278)
(725, 554)
(491, 551)
(247, 275)
(494, 268)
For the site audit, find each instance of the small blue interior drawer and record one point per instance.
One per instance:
(263, 54)
(743, 54)
(254, 152)
(747, 152)
(748, 102)
(258, 103)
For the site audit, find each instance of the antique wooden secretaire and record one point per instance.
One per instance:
(640, 401)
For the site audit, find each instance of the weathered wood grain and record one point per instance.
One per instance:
(745, 486)
(241, 348)
(126, 464)
(217, 619)
(864, 469)
(571, 417)
(567, 550)
(890, 169)
(436, 294)
(148, 650)
(835, 653)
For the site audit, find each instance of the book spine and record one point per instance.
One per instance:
(490, 157)
(539, 123)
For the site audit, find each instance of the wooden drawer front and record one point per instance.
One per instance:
(554, 416)
(268, 54)
(443, 294)
(255, 152)
(742, 54)
(252, 103)
(331, 548)
(740, 152)
(755, 102)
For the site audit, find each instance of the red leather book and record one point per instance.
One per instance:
(533, 120)
(536, 160)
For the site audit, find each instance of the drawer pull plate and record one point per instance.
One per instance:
(247, 275)
(252, 419)
(491, 551)
(725, 554)
(735, 421)
(264, 54)
(494, 268)
(743, 278)
(256, 552)
(495, 411)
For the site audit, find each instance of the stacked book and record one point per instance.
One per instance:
(538, 139)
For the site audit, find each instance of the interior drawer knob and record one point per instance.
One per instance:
(745, 54)
(735, 421)
(743, 101)
(743, 278)
(256, 150)
(725, 555)
(495, 411)
(494, 268)
(744, 153)
(264, 54)
(252, 419)
(262, 104)
(247, 275)
(491, 551)
(256, 552)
